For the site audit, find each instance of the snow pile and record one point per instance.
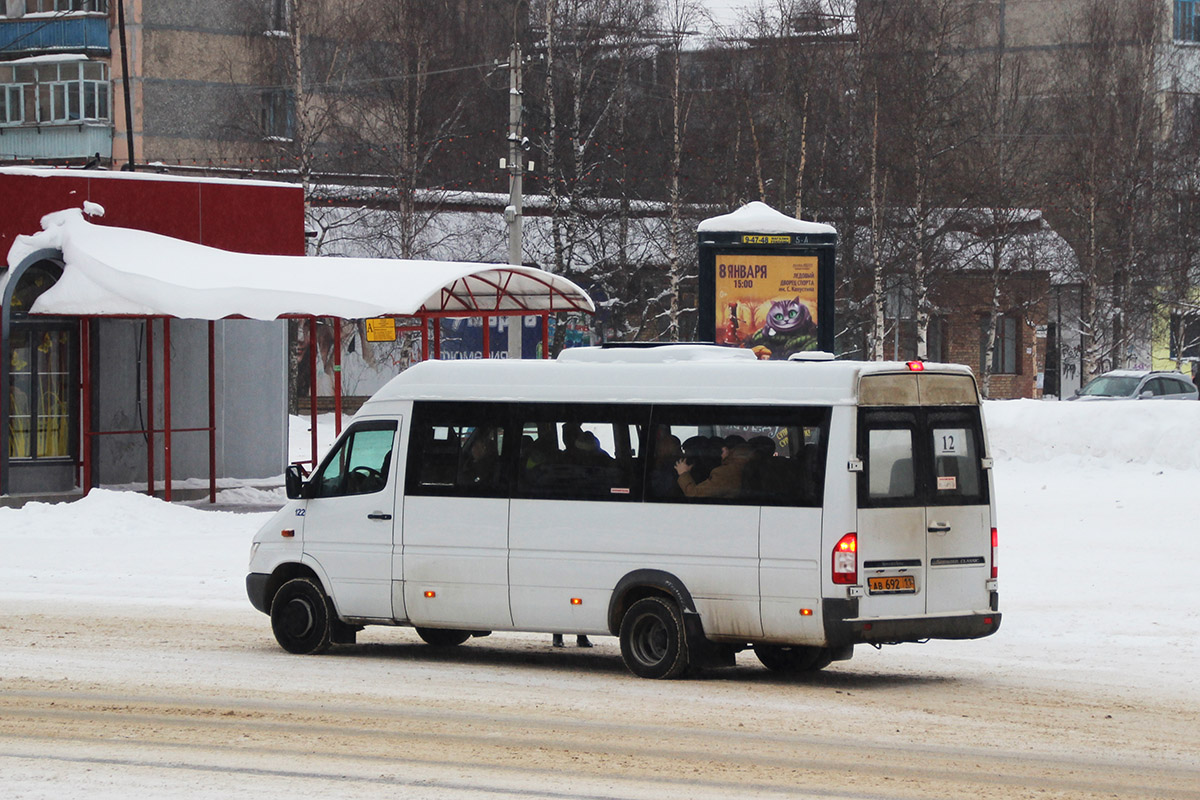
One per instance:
(759, 217)
(1107, 434)
(126, 548)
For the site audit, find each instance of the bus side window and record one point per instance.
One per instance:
(458, 449)
(440, 446)
(579, 453)
(738, 455)
(359, 465)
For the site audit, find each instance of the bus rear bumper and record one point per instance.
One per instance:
(848, 628)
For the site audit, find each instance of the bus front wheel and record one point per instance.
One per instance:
(653, 642)
(793, 659)
(301, 617)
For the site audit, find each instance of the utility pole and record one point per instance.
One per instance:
(129, 164)
(516, 170)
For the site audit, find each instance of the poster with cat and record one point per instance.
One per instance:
(767, 303)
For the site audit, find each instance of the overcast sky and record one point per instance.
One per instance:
(726, 12)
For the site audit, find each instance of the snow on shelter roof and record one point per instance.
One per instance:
(111, 271)
(759, 217)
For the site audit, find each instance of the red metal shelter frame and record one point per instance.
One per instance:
(457, 300)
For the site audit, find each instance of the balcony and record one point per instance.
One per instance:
(56, 141)
(85, 32)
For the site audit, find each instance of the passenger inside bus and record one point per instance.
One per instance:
(479, 468)
(587, 451)
(726, 479)
(664, 482)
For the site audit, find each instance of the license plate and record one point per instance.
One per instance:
(893, 584)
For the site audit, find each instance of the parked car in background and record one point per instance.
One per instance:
(1132, 384)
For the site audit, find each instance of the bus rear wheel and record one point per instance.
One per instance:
(443, 637)
(301, 617)
(793, 658)
(653, 642)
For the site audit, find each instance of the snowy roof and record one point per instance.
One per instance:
(103, 174)
(53, 58)
(761, 218)
(111, 271)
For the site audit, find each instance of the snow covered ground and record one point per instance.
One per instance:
(1098, 534)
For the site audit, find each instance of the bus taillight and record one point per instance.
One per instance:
(995, 542)
(845, 559)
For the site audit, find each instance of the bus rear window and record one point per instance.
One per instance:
(891, 473)
(921, 457)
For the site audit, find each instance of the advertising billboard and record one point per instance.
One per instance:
(767, 303)
(766, 282)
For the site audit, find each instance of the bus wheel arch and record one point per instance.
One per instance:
(644, 583)
(281, 575)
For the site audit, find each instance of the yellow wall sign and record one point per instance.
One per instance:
(767, 303)
(381, 330)
(758, 238)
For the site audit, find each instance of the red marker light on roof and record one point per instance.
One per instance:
(916, 366)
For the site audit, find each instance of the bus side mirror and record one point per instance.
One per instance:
(293, 481)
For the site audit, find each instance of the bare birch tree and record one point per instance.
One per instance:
(587, 44)
(1109, 107)
(680, 18)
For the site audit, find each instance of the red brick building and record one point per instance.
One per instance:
(1019, 354)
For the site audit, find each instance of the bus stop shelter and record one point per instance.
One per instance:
(118, 273)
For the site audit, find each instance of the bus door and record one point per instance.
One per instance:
(455, 552)
(891, 515)
(788, 479)
(924, 521)
(958, 514)
(348, 519)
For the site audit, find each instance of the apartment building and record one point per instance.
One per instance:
(56, 103)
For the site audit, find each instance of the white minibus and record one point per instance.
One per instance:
(688, 499)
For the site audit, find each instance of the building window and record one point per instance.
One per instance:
(74, 91)
(1186, 27)
(39, 394)
(38, 360)
(1004, 353)
(19, 8)
(1186, 117)
(12, 105)
(278, 115)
